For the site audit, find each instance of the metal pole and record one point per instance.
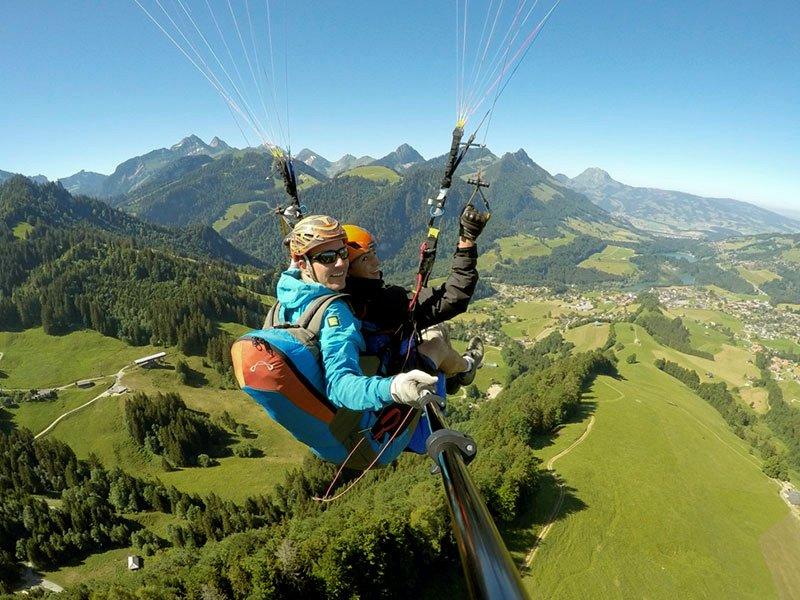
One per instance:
(488, 568)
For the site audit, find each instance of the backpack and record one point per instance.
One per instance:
(280, 367)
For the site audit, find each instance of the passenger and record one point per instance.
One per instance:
(383, 308)
(317, 246)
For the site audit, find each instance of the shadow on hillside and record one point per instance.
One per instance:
(582, 412)
(522, 535)
(3, 374)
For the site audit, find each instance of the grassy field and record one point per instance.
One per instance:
(676, 507)
(101, 428)
(518, 247)
(731, 364)
(234, 212)
(603, 230)
(493, 371)
(22, 230)
(531, 318)
(588, 337)
(791, 392)
(112, 565)
(373, 173)
(38, 415)
(783, 344)
(33, 359)
(613, 259)
(702, 316)
(755, 398)
(702, 335)
(757, 276)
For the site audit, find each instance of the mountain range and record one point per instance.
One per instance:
(195, 182)
(676, 213)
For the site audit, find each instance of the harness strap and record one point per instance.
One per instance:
(311, 319)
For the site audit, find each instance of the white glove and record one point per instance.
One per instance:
(407, 388)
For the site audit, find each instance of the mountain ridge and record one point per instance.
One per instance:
(673, 212)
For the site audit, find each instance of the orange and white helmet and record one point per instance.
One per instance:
(314, 231)
(359, 241)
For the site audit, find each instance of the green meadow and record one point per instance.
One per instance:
(112, 565)
(588, 337)
(101, 429)
(757, 276)
(518, 247)
(530, 319)
(33, 359)
(783, 344)
(36, 416)
(604, 231)
(792, 255)
(22, 230)
(234, 212)
(612, 259)
(662, 500)
(373, 173)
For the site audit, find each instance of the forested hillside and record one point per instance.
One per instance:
(26, 206)
(82, 264)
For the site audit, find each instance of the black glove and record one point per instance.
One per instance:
(472, 222)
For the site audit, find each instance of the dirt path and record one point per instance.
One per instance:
(561, 494)
(32, 579)
(117, 388)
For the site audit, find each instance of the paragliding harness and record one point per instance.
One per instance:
(280, 367)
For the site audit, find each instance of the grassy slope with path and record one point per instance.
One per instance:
(101, 428)
(665, 501)
(33, 359)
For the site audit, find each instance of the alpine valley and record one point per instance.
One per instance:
(637, 415)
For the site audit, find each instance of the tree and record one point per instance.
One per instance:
(631, 360)
(775, 467)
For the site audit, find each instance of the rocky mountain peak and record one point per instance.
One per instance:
(593, 177)
(189, 142)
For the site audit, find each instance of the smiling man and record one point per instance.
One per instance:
(317, 246)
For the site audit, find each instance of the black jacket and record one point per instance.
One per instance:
(386, 306)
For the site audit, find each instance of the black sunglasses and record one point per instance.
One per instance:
(328, 257)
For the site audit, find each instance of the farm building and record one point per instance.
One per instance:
(148, 361)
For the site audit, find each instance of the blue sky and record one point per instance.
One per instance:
(696, 96)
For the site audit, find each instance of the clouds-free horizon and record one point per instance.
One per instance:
(697, 99)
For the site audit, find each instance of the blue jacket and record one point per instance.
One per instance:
(341, 343)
